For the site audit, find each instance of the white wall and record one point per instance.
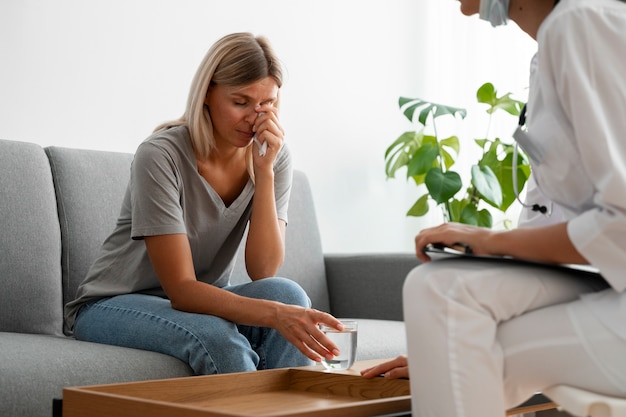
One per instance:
(102, 74)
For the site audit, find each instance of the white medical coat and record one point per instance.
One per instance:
(577, 138)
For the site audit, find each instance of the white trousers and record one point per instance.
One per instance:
(484, 336)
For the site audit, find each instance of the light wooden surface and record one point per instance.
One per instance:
(522, 409)
(304, 392)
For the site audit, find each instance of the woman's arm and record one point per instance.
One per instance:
(543, 244)
(171, 258)
(265, 245)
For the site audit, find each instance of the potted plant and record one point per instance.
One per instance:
(429, 159)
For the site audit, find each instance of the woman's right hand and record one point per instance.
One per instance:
(453, 234)
(299, 326)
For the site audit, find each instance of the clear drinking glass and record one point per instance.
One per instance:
(345, 341)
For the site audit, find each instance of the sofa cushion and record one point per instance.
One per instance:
(35, 369)
(378, 339)
(30, 242)
(304, 260)
(90, 186)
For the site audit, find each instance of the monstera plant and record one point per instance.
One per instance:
(429, 161)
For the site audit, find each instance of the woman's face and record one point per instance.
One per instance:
(469, 7)
(234, 110)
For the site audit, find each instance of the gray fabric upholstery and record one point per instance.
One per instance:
(55, 213)
(304, 260)
(35, 368)
(362, 285)
(30, 243)
(379, 339)
(89, 186)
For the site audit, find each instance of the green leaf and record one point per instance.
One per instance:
(419, 179)
(471, 215)
(448, 160)
(487, 184)
(393, 165)
(484, 219)
(509, 105)
(481, 142)
(410, 111)
(488, 94)
(442, 186)
(451, 142)
(398, 154)
(420, 207)
(503, 170)
(423, 159)
(455, 207)
(426, 108)
(441, 110)
(408, 141)
(490, 156)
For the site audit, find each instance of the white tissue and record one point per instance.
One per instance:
(262, 146)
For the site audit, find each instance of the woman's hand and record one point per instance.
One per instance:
(393, 369)
(543, 244)
(454, 234)
(268, 130)
(299, 326)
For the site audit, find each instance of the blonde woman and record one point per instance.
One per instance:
(161, 281)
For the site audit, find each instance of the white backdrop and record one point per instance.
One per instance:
(102, 74)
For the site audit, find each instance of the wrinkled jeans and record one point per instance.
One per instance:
(209, 344)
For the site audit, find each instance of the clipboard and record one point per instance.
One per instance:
(437, 252)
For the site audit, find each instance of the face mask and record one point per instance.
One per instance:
(495, 12)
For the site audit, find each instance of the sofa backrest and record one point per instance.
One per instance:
(90, 186)
(304, 259)
(30, 242)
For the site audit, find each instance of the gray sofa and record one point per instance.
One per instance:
(56, 207)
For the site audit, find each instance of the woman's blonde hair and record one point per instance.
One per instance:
(235, 60)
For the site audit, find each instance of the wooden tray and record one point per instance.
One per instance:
(272, 393)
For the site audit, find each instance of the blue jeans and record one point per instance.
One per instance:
(209, 344)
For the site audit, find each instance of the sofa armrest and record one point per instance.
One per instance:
(367, 286)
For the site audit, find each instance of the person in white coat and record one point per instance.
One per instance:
(483, 335)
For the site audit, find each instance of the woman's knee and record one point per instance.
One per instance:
(425, 281)
(277, 289)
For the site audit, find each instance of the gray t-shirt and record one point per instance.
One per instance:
(167, 195)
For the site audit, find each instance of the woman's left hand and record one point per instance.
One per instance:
(393, 369)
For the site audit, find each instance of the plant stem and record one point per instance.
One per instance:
(445, 209)
(439, 157)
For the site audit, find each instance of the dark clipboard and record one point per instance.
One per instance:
(436, 252)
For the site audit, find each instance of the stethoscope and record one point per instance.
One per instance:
(546, 211)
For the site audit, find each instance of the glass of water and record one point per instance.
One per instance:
(345, 341)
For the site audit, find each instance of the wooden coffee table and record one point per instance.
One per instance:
(304, 392)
